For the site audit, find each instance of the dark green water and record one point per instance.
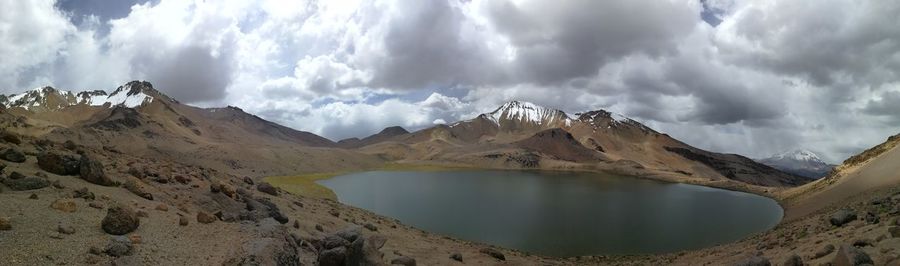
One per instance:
(560, 214)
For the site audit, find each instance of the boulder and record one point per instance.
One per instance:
(10, 138)
(371, 227)
(842, 217)
(25, 183)
(793, 260)
(333, 241)
(65, 228)
(92, 171)
(849, 255)
(493, 253)
(267, 188)
(16, 175)
(120, 219)
(119, 246)
(754, 261)
(272, 246)
(5, 224)
(138, 189)
(12, 155)
(333, 257)
(205, 218)
(64, 205)
(59, 164)
(872, 218)
(404, 260)
(827, 249)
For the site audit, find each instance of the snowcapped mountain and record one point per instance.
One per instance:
(529, 113)
(800, 162)
(132, 95)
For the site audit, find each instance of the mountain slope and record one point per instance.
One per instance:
(525, 135)
(873, 169)
(799, 162)
(385, 135)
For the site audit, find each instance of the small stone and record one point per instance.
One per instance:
(12, 155)
(296, 224)
(205, 218)
(95, 205)
(142, 214)
(162, 207)
(456, 256)
(57, 184)
(872, 218)
(5, 224)
(135, 238)
(248, 180)
(65, 228)
(333, 257)
(299, 204)
(56, 235)
(120, 219)
(334, 213)
(83, 193)
(119, 246)
(405, 261)
(64, 205)
(25, 183)
(319, 228)
(33, 196)
(824, 251)
(493, 253)
(371, 227)
(95, 250)
(862, 243)
(183, 221)
(267, 188)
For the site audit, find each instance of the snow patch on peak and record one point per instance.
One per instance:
(528, 112)
(128, 96)
(799, 155)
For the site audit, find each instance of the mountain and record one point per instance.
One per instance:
(131, 95)
(525, 135)
(385, 135)
(799, 162)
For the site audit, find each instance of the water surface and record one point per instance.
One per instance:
(560, 213)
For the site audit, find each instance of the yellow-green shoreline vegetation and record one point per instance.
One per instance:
(305, 184)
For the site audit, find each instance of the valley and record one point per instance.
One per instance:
(189, 178)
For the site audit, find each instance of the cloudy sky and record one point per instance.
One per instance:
(750, 77)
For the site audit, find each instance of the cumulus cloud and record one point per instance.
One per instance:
(749, 77)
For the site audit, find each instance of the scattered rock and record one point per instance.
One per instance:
(319, 228)
(135, 238)
(334, 213)
(92, 171)
(248, 180)
(59, 164)
(894, 231)
(842, 217)
(141, 214)
(64, 205)
(205, 218)
(404, 260)
(850, 255)
(95, 205)
(5, 224)
(872, 218)
(371, 227)
(70, 145)
(119, 246)
(267, 188)
(65, 228)
(182, 179)
(10, 138)
(56, 235)
(138, 189)
(33, 196)
(17, 182)
(95, 250)
(12, 155)
(83, 193)
(493, 253)
(120, 219)
(333, 241)
(755, 261)
(824, 251)
(162, 207)
(456, 256)
(57, 184)
(182, 221)
(862, 243)
(297, 224)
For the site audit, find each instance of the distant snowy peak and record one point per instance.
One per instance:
(527, 112)
(798, 155)
(132, 95)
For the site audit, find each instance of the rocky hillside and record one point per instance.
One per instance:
(799, 162)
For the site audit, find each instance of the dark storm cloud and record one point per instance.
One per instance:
(427, 45)
(565, 40)
(191, 74)
(103, 9)
(888, 106)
